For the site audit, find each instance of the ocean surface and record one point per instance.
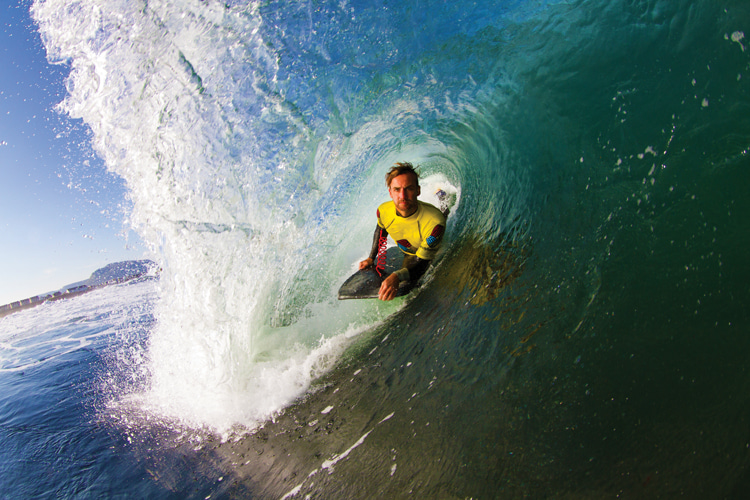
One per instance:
(584, 332)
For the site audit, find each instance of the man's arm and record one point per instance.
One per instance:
(412, 271)
(417, 268)
(376, 237)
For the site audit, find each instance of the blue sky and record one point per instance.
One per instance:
(61, 212)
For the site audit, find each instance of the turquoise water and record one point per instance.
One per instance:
(582, 335)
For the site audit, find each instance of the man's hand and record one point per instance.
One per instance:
(366, 263)
(389, 287)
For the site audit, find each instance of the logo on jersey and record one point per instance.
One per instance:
(434, 238)
(404, 245)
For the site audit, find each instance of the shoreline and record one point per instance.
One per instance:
(111, 274)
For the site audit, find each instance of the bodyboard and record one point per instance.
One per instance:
(365, 283)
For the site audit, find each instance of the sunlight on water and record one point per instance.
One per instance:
(591, 290)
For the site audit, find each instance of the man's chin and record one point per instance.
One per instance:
(405, 209)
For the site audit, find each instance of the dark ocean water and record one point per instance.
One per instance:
(584, 333)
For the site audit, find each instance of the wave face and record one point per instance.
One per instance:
(587, 312)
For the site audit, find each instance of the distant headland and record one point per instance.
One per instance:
(111, 274)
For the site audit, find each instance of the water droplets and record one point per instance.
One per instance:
(737, 38)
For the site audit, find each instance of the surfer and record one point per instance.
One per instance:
(417, 227)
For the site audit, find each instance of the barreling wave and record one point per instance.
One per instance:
(583, 139)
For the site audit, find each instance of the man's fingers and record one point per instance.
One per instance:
(387, 292)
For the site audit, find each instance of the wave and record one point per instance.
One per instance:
(253, 137)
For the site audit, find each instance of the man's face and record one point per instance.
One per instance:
(404, 191)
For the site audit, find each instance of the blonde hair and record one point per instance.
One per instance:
(400, 168)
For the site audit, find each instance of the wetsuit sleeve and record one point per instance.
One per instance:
(431, 244)
(379, 233)
(413, 270)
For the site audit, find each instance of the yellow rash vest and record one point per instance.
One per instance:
(419, 234)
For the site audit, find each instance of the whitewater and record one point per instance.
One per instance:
(583, 332)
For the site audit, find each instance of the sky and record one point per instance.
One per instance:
(62, 214)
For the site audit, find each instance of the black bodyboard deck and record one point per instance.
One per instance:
(365, 283)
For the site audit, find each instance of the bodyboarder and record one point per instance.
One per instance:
(416, 227)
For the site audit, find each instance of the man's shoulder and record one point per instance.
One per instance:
(387, 205)
(432, 212)
(387, 208)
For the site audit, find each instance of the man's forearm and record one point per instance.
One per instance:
(379, 233)
(413, 270)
